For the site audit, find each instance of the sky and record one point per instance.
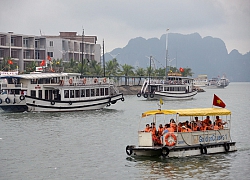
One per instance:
(118, 21)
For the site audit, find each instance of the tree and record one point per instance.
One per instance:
(112, 67)
(127, 70)
(140, 72)
(187, 72)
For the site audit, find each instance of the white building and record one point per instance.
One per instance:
(68, 45)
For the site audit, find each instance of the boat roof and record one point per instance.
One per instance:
(190, 112)
(38, 75)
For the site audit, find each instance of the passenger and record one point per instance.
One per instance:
(198, 122)
(195, 127)
(206, 120)
(147, 128)
(173, 124)
(209, 126)
(153, 129)
(160, 130)
(179, 126)
(204, 126)
(187, 124)
(217, 120)
(220, 125)
(216, 127)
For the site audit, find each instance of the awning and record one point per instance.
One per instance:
(191, 112)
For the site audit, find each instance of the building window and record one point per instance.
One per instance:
(37, 55)
(51, 44)
(25, 42)
(50, 54)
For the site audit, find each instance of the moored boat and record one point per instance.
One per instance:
(52, 92)
(218, 82)
(175, 87)
(184, 141)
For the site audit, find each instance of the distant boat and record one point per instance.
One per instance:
(218, 82)
(175, 87)
(201, 81)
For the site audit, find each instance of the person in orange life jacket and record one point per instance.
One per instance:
(195, 127)
(179, 126)
(207, 120)
(204, 126)
(187, 124)
(160, 130)
(216, 127)
(173, 124)
(209, 126)
(147, 128)
(217, 120)
(153, 128)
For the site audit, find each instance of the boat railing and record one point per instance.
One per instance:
(202, 137)
(13, 86)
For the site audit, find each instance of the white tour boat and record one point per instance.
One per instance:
(201, 81)
(218, 82)
(175, 87)
(52, 92)
(179, 143)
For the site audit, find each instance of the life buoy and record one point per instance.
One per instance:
(95, 80)
(22, 97)
(226, 146)
(145, 95)
(122, 99)
(7, 100)
(84, 81)
(164, 151)
(138, 94)
(151, 95)
(104, 80)
(52, 102)
(129, 150)
(203, 149)
(70, 103)
(1, 101)
(62, 82)
(173, 140)
(70, 81)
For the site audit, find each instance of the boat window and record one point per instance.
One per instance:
(106, 91)
(102, 91)
(82, 93)
(92, 92)
(77, 93)
(33, 81)
(33, 93)
(87, 93)
(72, 94)
(50, 94)
(66, 93)
(40, 93)
(40, 81)
(46, 94)
(97, 92)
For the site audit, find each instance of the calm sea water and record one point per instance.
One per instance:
(91, 145)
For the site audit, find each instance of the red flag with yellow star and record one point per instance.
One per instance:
(218, 102)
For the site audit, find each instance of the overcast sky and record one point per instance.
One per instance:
(118, 21)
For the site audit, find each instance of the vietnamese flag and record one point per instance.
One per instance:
(181, 69)
(10, 61)
(218, 102)
(49, 58)
(43, 63)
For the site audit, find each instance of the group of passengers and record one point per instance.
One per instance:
(196, 125)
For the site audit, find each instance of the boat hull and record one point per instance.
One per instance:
(181, 151)
(13, 103)
(173, 96)
(41, 105)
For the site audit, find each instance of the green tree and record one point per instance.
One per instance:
(112, 67)
(127, 70)
(187, 72)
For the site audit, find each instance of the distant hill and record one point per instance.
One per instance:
(206, 55)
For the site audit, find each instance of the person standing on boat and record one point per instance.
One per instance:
(147, 128)
(206, 121)
(160, 130)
